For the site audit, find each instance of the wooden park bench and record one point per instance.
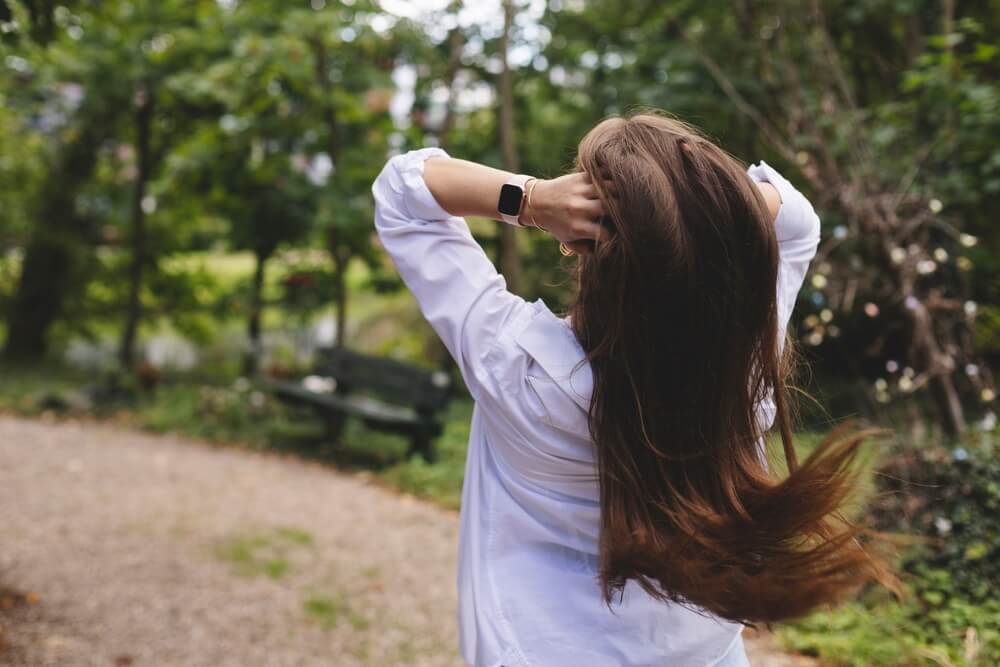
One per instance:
(387, 395)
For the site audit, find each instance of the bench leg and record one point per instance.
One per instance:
(423, 445)
(334, 425)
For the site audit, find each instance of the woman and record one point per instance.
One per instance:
(617, 506)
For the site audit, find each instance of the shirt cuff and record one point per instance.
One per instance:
(420, 203)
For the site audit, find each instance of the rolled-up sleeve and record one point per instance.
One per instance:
(798, 230)
(455, 284)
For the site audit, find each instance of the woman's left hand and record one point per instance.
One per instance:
(567, 207)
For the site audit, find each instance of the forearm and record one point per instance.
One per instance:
(465, 188)
(567, 207)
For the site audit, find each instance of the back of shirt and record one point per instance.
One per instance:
(528, 588)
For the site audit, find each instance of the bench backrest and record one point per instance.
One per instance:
(426, 390)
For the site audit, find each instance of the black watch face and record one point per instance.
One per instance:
(510, 199)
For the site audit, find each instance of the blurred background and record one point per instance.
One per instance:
(185, 220)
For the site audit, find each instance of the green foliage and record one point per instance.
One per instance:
(22, 388)
(951, 615)
(987, 330)
(954, 498)
(896, 138)
(20, 171)
(306, 288)
(890, 634)
(269, 123)
(232, 413)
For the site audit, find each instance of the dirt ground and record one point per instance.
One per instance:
(120, 548)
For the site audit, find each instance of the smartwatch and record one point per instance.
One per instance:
(511, 199)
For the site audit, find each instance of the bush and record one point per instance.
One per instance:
(239, 412)
(950, 497)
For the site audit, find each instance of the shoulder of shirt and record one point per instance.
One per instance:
(796, 219)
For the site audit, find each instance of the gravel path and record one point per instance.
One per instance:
(132, 549)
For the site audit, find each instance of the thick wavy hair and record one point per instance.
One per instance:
(676, 310)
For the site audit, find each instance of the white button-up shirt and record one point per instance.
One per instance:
(530, 516)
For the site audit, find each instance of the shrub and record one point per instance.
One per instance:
(950, 497)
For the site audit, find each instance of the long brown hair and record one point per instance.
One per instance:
(677, 313)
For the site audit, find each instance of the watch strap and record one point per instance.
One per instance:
(519, 180)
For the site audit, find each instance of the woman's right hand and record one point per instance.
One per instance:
(568, 207)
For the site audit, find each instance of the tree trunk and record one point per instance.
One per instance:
(329, 111)
(946, 396)
(930, 348)
(252, 356)
(52, 258)
(456, 42)
(510, 257)
(41, 291)
(340, 261)
(133, 314)
(333, 146)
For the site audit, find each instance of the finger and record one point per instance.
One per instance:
(607, 186)
(583, 186)
(589, 191)
(587, 231)
(591, 209)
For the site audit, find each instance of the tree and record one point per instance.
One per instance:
(302, 125)
(54, 259)
(510, 257)
(157, 119)
(346, 79)
(894, 224)
(99, 78)
(873, 151)
(40, 15)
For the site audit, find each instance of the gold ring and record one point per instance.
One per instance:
(564, 250)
